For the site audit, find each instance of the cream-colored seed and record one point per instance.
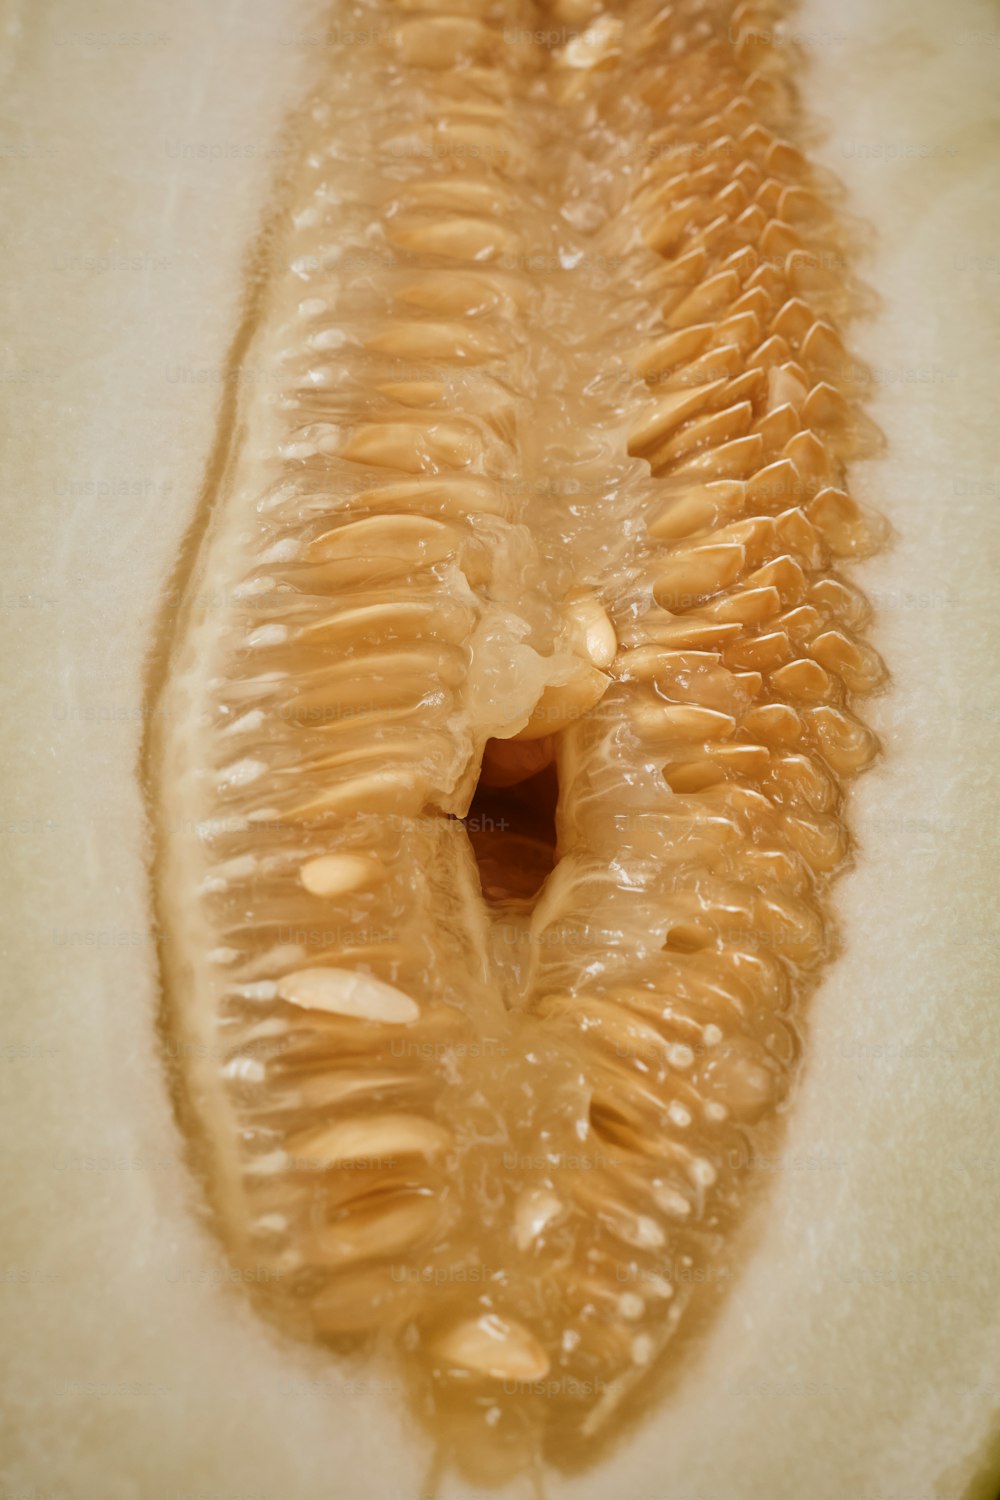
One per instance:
(394, 536)
(388, 1229)
(374, 1138)
(337, 874)
(667, 413)
(414, 447)
(563, 703)
(592, 629)
(682, 721)
(462, 239)
(454, 495)
(386, 790)
(453, 342)
(684, 580)
(342, 992)
(496, 1347)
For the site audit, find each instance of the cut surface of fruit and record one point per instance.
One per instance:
(857, 1352)
(549, 577)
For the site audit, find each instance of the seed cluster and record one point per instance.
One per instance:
(546, 478)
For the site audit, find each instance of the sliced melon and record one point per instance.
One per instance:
(852, 1345)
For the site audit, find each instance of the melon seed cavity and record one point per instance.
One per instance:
(502, 746)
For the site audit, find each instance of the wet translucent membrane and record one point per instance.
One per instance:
(499, 765)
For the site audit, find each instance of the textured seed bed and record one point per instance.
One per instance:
(505, 730)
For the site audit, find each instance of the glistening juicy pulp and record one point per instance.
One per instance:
(539, 468)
